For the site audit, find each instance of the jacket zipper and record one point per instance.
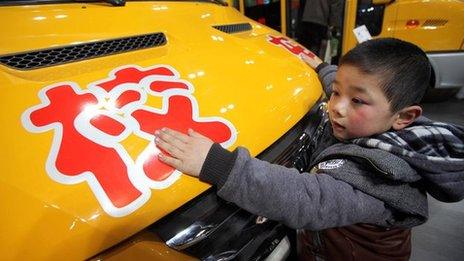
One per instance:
(318, 256)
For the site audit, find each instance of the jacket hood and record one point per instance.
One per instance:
(434, 149)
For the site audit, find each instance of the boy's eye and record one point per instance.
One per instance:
(357, 101)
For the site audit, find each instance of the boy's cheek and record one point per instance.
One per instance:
(357, 123)
(357, 118)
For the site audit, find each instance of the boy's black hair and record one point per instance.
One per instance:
(403, 68)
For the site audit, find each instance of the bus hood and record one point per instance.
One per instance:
(85, 86)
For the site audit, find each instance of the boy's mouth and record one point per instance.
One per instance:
(336, 126)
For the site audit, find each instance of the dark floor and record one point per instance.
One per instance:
(442, 237)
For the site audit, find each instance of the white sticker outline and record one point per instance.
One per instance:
(138, 181)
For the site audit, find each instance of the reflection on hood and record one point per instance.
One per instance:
(434, 149)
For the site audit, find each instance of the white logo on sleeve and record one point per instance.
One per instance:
(331, 164)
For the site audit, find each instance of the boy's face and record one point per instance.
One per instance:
(358, 106)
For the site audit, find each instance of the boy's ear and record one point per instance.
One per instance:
(406, 116)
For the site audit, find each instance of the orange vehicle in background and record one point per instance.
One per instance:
(436, 26)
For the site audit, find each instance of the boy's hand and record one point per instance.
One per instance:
(187, 152)
(312, 60)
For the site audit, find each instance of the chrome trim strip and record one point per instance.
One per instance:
(195, 233)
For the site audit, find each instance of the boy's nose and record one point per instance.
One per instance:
(339, 108)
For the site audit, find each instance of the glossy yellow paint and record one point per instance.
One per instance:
(441, 23)
(283, 16)
(349, 22)
(262, 89)
(241, 4)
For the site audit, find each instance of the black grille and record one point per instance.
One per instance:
(73, 53)
(233, 28)
(295, 146)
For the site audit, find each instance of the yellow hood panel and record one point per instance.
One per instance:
(53, 204)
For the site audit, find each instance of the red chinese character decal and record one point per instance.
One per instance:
(89, 126)
(290, 45)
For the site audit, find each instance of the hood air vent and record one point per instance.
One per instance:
(233, 28)
(73, 53)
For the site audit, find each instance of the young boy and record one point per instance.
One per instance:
(374, 162)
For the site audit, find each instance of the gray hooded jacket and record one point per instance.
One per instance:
(378, 180)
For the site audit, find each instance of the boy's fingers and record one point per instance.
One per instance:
(178, 135)
(195, 134)
(304, 57)
(310, 55)
(173, 150)
(173, 162)
(165, 137)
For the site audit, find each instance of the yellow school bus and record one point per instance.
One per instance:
(84, 86)
(436, 26)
